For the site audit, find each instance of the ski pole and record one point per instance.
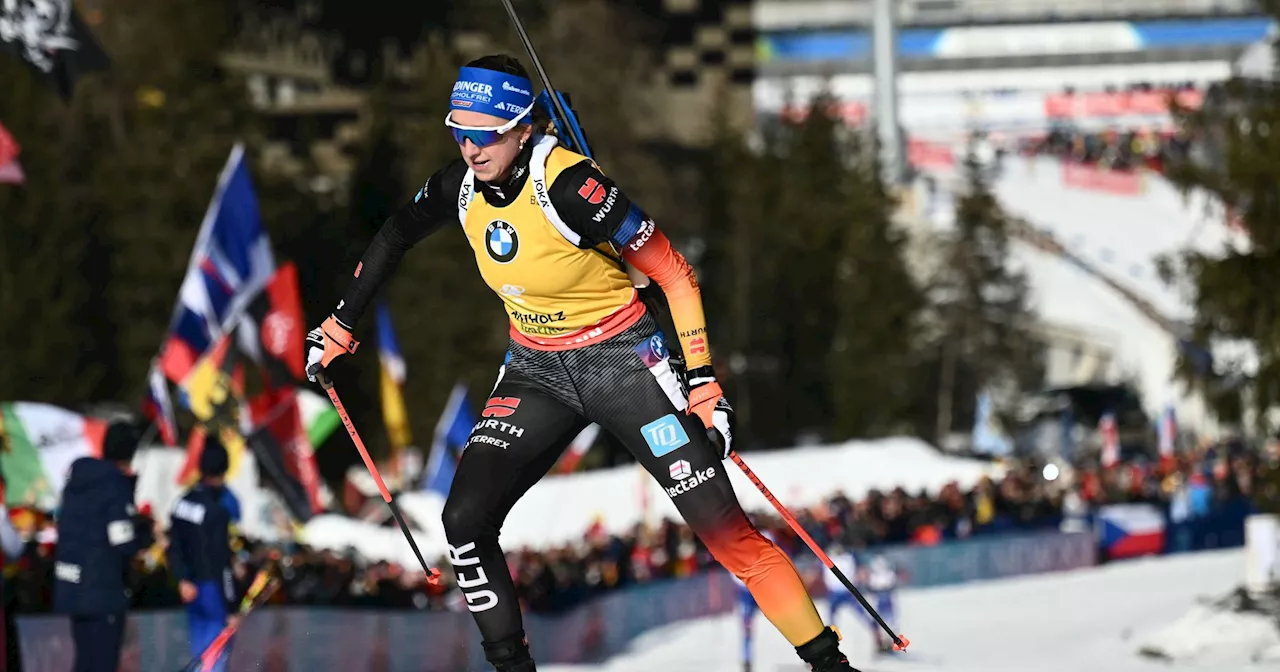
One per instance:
(433, 575)
(211, 652)
(900, 643)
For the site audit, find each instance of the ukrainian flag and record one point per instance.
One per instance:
(393, 374)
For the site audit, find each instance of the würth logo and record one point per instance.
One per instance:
(500, 407)
(592, 192)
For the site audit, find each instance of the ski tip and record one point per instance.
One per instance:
(901, 643)
(433, 577)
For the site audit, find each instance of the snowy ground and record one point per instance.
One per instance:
(1082, 621)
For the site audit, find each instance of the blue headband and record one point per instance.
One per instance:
(491, 92)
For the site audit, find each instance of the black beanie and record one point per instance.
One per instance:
(213, 459)
(120, 442)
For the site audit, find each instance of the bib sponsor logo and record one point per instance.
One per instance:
(464, 196)
(501, 241)
(537, 318)
(540, 193)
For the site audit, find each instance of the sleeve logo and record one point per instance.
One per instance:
(592, 192)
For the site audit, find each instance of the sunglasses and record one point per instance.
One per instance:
(482, 136)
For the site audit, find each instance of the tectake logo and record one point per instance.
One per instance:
(642, 236)
(680, 469)
(506, 86)
(689, 481)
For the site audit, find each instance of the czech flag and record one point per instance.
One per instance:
(1130, 530)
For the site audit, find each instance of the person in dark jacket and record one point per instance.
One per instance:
(99, 534)
(200, 553)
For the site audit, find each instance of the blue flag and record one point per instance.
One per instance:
(452, 432)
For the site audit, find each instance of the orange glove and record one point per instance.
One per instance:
(325, 343)
(706, 400)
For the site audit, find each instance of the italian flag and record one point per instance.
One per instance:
(38, 443)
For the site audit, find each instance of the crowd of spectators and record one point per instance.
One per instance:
(1112, 149)
(1194, 484)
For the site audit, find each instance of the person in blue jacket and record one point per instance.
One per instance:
(99, 534)
(200, 555)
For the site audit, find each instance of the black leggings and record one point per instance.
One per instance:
(626, 384)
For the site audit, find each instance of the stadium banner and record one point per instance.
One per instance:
(1092, 178)
(298, 639)
(981, 559)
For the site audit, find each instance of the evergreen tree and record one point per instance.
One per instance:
(55, 336)
(879, 306)
(163, 124)
(984, 325)
(813, 277)
(1234, 291)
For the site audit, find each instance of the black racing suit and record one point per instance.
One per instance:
(626, 383)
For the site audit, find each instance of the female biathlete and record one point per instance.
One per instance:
(552, 236)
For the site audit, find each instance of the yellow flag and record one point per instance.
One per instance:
(394, 415)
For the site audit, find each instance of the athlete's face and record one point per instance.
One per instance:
(492, 162)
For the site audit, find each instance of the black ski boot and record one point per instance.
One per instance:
(823, 653)
(510, 655)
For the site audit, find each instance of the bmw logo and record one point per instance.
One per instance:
(658, 345)
(501, 241)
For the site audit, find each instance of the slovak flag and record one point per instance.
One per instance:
(230, 264)
(1110, 435)
(1167, 431)
(158, 406)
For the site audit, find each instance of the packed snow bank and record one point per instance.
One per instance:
(1071, 622)
(1211, 635)
(560, 508)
